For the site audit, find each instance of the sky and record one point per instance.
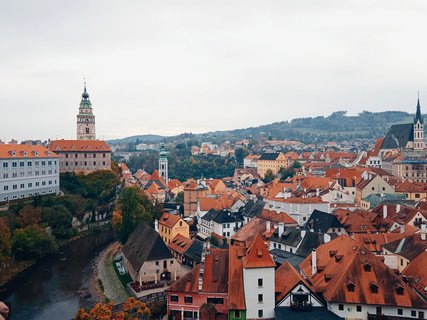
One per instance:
(167, 67)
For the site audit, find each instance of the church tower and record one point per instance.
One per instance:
(163, 163)
(418, 129)
(85, 119)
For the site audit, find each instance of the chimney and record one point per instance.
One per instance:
(281, 228)
(303, 232)
(423, 231)
(267, 225)
(402, 228)
(326, 238)
(385, 211)
(398, 208)
(156, 225)
(317, 192)
(313, 262)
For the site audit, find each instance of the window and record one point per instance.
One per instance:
(22, 164)
(420, 314)
(260, 298)
(5, 164)
(400, 311)
(30, 185)
(374, 288)
(379, 310)
(29, 163)
(260, 313)
(215, 300)
(237, 313)
(174, 298)
(359, 308)
(6, 188)
(43, 163)
(341, 307)
(399, 291)
(260, 282)
(188, 299)
(22, 186)
(157, 263)
(350, 287)
(14, 164)
(367, 267)
(413, 313)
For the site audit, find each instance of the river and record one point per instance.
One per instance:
(49, 289)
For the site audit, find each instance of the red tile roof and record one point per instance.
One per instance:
(170, 220)
(236, 294)
(286, 278)
(79, 145)
(258, 255)
(180, 243)
(343, 263)
(22, 151)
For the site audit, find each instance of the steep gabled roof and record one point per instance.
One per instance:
(252, 208)
(322, 221)
(236, 294)
(180, 243)
(348, 272)
(409, 247)
(398, 136)
(416, 273)
(144, 244)
(286, 278)
(170, 220)
(258, 255)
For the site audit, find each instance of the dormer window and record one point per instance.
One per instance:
(73, 147)
(400, 291)
(367, 267)
(351, 286)
(58, 148)
(374, 288)
(13, 153)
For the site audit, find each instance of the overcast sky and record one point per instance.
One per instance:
(166, 67)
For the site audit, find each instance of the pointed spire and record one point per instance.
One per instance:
(418, 115)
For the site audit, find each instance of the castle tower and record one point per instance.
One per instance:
(85, 119)
(163, 163)
(418, 129)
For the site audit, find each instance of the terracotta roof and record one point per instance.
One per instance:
(410, 187)
(286, 278)
(353, 221)
(299, 200)
(218, 203)
(180, 243)
(79, 145)
(416, 273)
(246, 234)
(375, 241)
(409, 247)
(315, 182)
(174, 183)
(348, 272)
(236, 294)
(258, 255)
(22, 151)
(170, 220)
(277, 217)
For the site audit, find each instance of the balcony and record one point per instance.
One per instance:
(301, 306)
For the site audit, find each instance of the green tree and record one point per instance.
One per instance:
(28, 215)
(60, 220)
(5, 242)
(132, 205)
(240, 154)
(269, 176)
(32, 242)
(180, 198)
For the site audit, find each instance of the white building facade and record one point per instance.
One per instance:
(26, 171)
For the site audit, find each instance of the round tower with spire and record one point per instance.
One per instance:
(85, 119)
(418, 128)
(163, 163)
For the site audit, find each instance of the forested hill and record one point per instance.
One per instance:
(338, 126)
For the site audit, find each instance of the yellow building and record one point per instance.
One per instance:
(170, 225)
(271, 161)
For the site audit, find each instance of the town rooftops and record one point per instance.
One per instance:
(145, 244)
(79, 146)
(347, 272)
(223, 216)
(416, 273)
(252, 208)
(23, 151)
(180, 243)
(236, 294)
(286, 278)
(408, 247)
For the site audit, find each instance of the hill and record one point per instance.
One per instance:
(337, 126)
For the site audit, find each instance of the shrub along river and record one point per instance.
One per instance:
(57, 285)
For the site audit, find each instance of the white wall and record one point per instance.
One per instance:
(250, 280)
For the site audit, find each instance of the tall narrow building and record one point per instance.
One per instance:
(163, 163)
(85, 119)
(418, 128)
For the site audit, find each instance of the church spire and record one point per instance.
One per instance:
(418, 115)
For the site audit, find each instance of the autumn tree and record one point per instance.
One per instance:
(132, 309)
(28, 215)
(269, 176)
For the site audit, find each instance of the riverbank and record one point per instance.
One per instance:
(18, 267)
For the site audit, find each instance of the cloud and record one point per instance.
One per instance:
(167, 67)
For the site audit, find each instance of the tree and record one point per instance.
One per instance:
(296, 165)
(132, 211)
(32, 242)
(269, 175)
(132, 309)
(180, 198)
(240, 154)
(29, 215)
(60, 220)
(5, 242)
